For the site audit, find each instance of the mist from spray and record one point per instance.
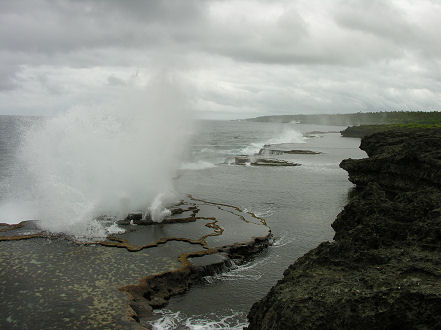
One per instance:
(288, 134)
(106, 160)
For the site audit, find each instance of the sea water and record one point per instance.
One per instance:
(299, 204)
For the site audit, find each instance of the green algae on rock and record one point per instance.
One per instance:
(383, 269)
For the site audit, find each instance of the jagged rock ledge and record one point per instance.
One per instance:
(383, 269)
(269, 150)
(260, 161)
(150, 262)
(154, 291)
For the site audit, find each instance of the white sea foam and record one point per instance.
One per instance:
(231, 321)
(168, 320)
(252, 148)
(281, 241)
(265, 213)
(221, 320)
(288, 135)
(114, 229)
(103, 159)
(239, 272)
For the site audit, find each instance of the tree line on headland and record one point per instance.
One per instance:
(359, 118)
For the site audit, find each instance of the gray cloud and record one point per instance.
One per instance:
(379, 18)
(62, 26)
(240, 57)
(7, 77)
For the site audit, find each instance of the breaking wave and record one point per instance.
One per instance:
(109, 159)
(288, 135)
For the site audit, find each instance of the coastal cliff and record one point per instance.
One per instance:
(383, 269)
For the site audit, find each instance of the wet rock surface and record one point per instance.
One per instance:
(383, 269)
(57, 282)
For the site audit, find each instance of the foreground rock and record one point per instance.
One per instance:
(56, 281)
(384, 268)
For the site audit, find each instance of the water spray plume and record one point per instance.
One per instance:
(110, 159)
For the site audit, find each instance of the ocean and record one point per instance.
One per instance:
(299, 204)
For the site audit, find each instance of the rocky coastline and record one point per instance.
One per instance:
(383, 269)
(154, 291)
(111, 282)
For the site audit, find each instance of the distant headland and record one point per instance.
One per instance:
(359, 118)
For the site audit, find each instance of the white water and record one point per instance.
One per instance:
(288, 135)
(173, 320)
(108, 159)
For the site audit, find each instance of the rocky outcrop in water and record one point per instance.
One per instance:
(383, 269)
(260, 161)
(269, 150)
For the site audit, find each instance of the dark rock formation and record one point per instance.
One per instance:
(146, 220)
(383, 270)
(155, 291)
(362, 130)
(271, 151)
(365, 130)
(259, 161)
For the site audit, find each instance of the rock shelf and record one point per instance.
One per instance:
(55, 281)
(260, 161)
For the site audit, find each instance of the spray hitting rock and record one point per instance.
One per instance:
(110, 159)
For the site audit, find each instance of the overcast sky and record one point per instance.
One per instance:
(236, 59)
